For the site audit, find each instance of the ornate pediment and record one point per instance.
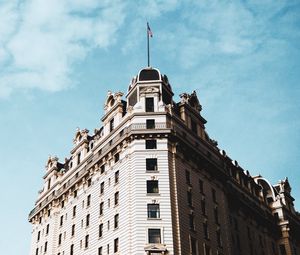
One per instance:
(112, 99)
(156, 247)
(192, 100)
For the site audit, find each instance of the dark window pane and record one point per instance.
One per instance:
(150, 144)
(150, 124)
(149, 104)
(154, 235)
(151, 164)
(152, 186)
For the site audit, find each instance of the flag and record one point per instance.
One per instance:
(149, 30)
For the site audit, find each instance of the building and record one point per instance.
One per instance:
(151, 181)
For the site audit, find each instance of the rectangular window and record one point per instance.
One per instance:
(111, 125)
(153, 211)
(86, 245)
(149, 104)
(205, 230)
(61, 220)
(75, 193)
(117, 198)
(87, 220)
(150, 124)
(117, 157)
(154, 235)
(194, 127)
(100, 251)
(59, 239)
(78, 158)
(193, 246)
(102, 188)
(190, 198)
(101, 230)
(151, 164)
(207, 250)
(188, 177)
(116, 221)
(102, 169)
(219, 240)
(117, 174)
(88, 202)
(216, 214)
(151, 144)
(45, 248)
(192, 221)
(107, 248)
(37, 251)
(47, 229)
(203, 206)
(74, 211)
(72, 249)
(38, 236)
(73, 229)
(214, 196)
(152, 187)
(116, 245)
(201, 186)
(101, 208)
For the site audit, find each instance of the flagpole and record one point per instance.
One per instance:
(148, 48)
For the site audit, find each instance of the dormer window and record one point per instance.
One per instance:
(149, 104)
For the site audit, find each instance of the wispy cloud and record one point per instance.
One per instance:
(40, 41)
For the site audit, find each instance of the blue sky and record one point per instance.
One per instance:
(59, 58)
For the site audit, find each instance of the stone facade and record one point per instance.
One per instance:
(151, 181)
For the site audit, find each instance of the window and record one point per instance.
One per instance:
(101, 208)
(188, 177)
(74, 211)
(116, 221)
(203, 206)
(153, 211)
(201, 186)
(150, 124)
(88, 202)
(101, 230)
(100, 251)
(86, 245)
(61, 220)
(152, 187)
(154, 235)
(117, 177)
(108, 225)
(89, 182)
(111, 125)
(87, 220)
(150, 144)
(213, 191)
(107, 248)
(207, 250)
(116, 157)
(47, 229)
(102, 188)
(73, 229)
(45, 248)
(216, 214)
(190, 198)
(59, 239)
(117, 198)
(49, 184)
(219, 240)
(116, 245)
(37, 251)
(72, 249)
(102, 169)
(75, 193)
(38, 236)
(194, 126)
(192, 221)
(78, 158)
(205, 230)
(149, 104)
(151, 164)
(193, 246)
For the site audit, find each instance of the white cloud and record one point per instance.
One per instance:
(39, 40)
